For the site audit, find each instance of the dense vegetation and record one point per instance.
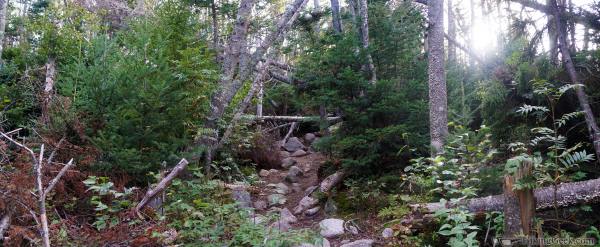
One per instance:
(100, 102)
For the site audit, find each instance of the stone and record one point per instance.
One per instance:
(293, 174)
(287, 216)
(353, 230)
(260, 204)
(293, 144)
(281, 225)
(387, 233)
(296, 187)
(287, 162)
(280, 188)
(309, 137)
(310, 190)
(324, 243)
(242, 197)
(299, 153)
(331, 227)
(360, 243)
(276, 199)
(305, 203)
(263, 173)
(284, 154)
(312, 211)
(258, 219)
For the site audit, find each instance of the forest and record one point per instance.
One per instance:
(297, 123)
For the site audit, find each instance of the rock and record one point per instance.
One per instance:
(263, 173)
(309, 137)
(312, 211)
(287, 162)
(345, 241)
(331, 227)
(387, 233)
(281, 225)
(276, 199)
(296, 187)
(324, 243)
(284, 154)
(293, 144)
(310, 190)
(287, 216)
(299, 153)
(258, 219)
(280, 188)
(293, 174)
(360, 243)
(260, 204)
(273, 171)
(305, 203)
(353, 230)
(242, 197)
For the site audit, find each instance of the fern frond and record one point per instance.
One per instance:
(527, 109)
(576, 158)
(567, 117)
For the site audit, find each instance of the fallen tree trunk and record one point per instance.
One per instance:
(289, 118)
(151, 193)
(567, 194)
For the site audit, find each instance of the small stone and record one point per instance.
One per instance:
(309, 137)
(331, 227)
(387, 233)
(360, 243)
(305, 203)
(263, 173)
(299, 153)
(281, 225)
(287, 162)
(242, 197)
(279, 188)
(293, 174)
(276, 199)
(353, 230)
(284, 154)
(260, 204)
(312, 211)
(293, 144)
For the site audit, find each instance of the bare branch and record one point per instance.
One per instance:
(151, 193)
(55, 180)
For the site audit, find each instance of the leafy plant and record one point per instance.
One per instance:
(456, 224)
(107, 201)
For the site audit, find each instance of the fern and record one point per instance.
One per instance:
(527, 109)
(567, 117)
(576, 158)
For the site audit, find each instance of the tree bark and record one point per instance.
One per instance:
(451, 32)
(585, 18)
(151, 193)
(552, 38)
(567, 194)
(582, 97)
(363, 10)
(512, 212)
(3, 6)
(215, 25)
(335, 16)
(48, 88)
(438, 104)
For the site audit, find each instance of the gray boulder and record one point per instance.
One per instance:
(309, 137)
(293, 144)
(279, 188)
(305, 203)
(387, 233)
(293, 174)
(242, 197)
(331, 227)
(287, 162)
(284, 154)
(299, 153)
(312, 211)
(360, 243)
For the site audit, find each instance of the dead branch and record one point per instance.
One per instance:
(151, 193)
(290, 118)
(289, 132)
(55, 180)
(328, 183)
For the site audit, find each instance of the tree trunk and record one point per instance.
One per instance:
(48, 88)
(590, 120)
(552, 38)
(316, 10)
(567, 194)
(512, 213)
(335, 16)
(451, 32)
(438, 105)
(363, 10)
(3, 6)
(215, 25)
(573, 46)
(586, 39)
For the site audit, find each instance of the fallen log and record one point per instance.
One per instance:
(151, 193)
(567, 194)
(289, 118)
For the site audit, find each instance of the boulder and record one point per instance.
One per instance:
(242, 197)
(276, 199)
(281, 225)
(287, 216)
(288, 162)
(360, 243)
(387, 233)
(299, 153)
(305, 203)
(309, 137)
(284, 154)
(324, 243)
(260, 204)
(293, 174)
(263, 173)
(312, 211)
(331, 227)
(279, 188)
(293, 144)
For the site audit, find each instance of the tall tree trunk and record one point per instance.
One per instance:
(590, 120)
(471, 30)
(438, 103)
(316, 10)
(364, 30)
(552, 38)
(3, 6)
(586, 39)
(573, 46)
(215, 25)
(335, 16)
(451, 32)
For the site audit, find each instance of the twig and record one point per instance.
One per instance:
(51, 157)
(289, 132)
(54, 181)
(276, 127)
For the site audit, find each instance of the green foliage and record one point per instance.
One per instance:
(108, 202)
(456, 224)
(142, 93)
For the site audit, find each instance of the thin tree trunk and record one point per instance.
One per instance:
(215, 25)
(590, 120)
(335, 16)
(316, 10)
(438, 103)
(471, 30)
(586, 39)
(573, 46)
(3, 6)
(48, 88)
(451, 32)
(363, 10)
